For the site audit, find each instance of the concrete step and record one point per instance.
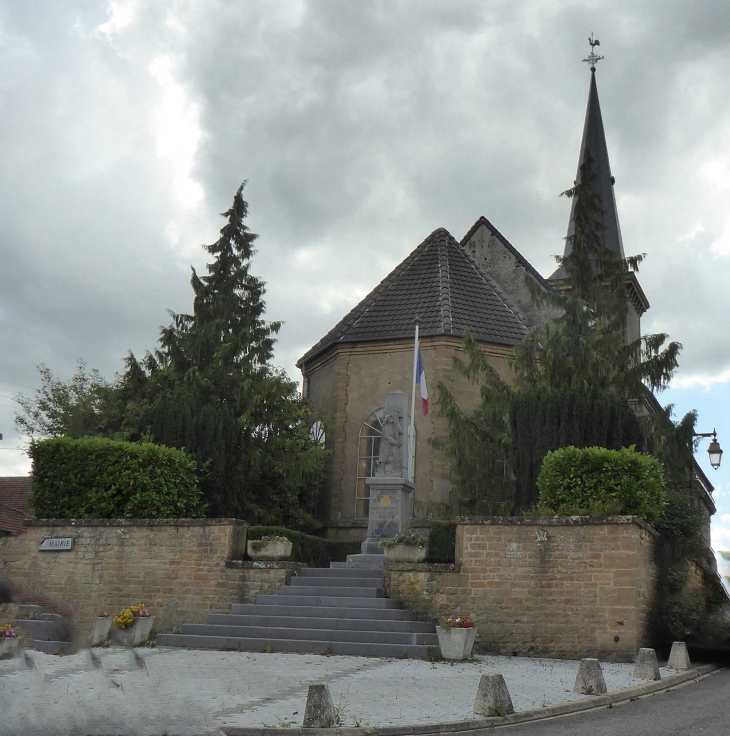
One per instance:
(337, 582)
(326, 601)
(306, 646)
(341, 572)
(333, 635)
(361, 562)
(50, 647)
(256, 609)
(319, 622)
(53, 630)
(331, 591)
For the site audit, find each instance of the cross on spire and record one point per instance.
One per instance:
(593, 58)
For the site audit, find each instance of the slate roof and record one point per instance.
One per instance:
(441, 285)
(594, 139)
(14, 506)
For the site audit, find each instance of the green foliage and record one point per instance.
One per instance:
(407, 536)
(86, 406)
(545, 419)
(103, 479)
(442, 542)
(478, 444)
(581, 477)
(337, 550)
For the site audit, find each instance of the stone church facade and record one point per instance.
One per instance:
(477, 284)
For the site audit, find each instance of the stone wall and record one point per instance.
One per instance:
(176, 566)
(263, 578)
(557, 587)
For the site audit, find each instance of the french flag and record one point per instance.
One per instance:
(421, 381)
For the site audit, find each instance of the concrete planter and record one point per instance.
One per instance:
(102, 627)
(8, 645)
(258, 549)
(136, 634)
(456, 643)
(405, 553)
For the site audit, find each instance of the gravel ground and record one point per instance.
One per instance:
(188, 692)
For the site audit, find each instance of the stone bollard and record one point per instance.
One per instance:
(646, 668)
(589, 680)
(320, 710)
(679, 657)
(493, 697)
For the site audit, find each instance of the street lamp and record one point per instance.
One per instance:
(714, 450)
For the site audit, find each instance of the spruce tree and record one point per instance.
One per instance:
(210, 388)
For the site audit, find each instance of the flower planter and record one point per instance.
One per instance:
(8, 645)
(405, 553)
(456, 643)
(136, 634)
(102, 627)
(258, 549)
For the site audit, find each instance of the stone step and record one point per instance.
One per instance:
(326, 601)
(257, 609)
(319, 622)
(305, 646)
(361, 562)
(306, 634)
(328, 591)
(43, 630)
(336, 582)
(50, 647)
(341, 572)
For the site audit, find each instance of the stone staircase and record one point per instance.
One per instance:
(49, 632)
(337, 610)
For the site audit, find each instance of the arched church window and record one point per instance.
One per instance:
(368, 452)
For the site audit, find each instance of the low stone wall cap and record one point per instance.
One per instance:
(135, 522)
(554, 521)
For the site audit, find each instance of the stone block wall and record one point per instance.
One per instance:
(263, 578)
(557, 587)
(175, 566)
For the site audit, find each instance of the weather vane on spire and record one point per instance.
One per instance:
(593, 58)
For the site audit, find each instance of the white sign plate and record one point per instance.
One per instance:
(57, 544)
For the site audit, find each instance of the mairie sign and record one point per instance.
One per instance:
(57, 544)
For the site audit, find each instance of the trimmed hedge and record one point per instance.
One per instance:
(442, 542)
(625, 481)
(102, 479)
(312, 551)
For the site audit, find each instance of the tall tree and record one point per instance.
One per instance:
(210, 388)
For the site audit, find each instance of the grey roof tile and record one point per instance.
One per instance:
(439, 284)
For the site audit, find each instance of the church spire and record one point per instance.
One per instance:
(594, 142)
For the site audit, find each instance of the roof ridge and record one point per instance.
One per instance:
(445, 307)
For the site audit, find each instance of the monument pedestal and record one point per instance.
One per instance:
(390, 510)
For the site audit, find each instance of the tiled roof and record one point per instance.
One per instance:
(439, 284)
(14, 506)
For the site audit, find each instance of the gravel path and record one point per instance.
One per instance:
(190, 692)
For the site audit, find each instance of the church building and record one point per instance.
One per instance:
(476, 284)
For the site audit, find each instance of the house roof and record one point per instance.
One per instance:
(439, 284)
(594, 140)
(14, 503)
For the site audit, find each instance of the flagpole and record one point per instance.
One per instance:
(412, 438)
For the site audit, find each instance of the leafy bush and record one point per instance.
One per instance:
(338, 550)
(626, 480)
(103, 479)
(442, 542)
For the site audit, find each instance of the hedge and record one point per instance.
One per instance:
(442, 542)
(312, 551)
(103, 479)
(624, 481)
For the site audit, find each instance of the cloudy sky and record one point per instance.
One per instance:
(361, 126)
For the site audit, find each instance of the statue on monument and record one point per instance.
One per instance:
(389, 462)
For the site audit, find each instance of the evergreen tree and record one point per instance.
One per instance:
(210, 388)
